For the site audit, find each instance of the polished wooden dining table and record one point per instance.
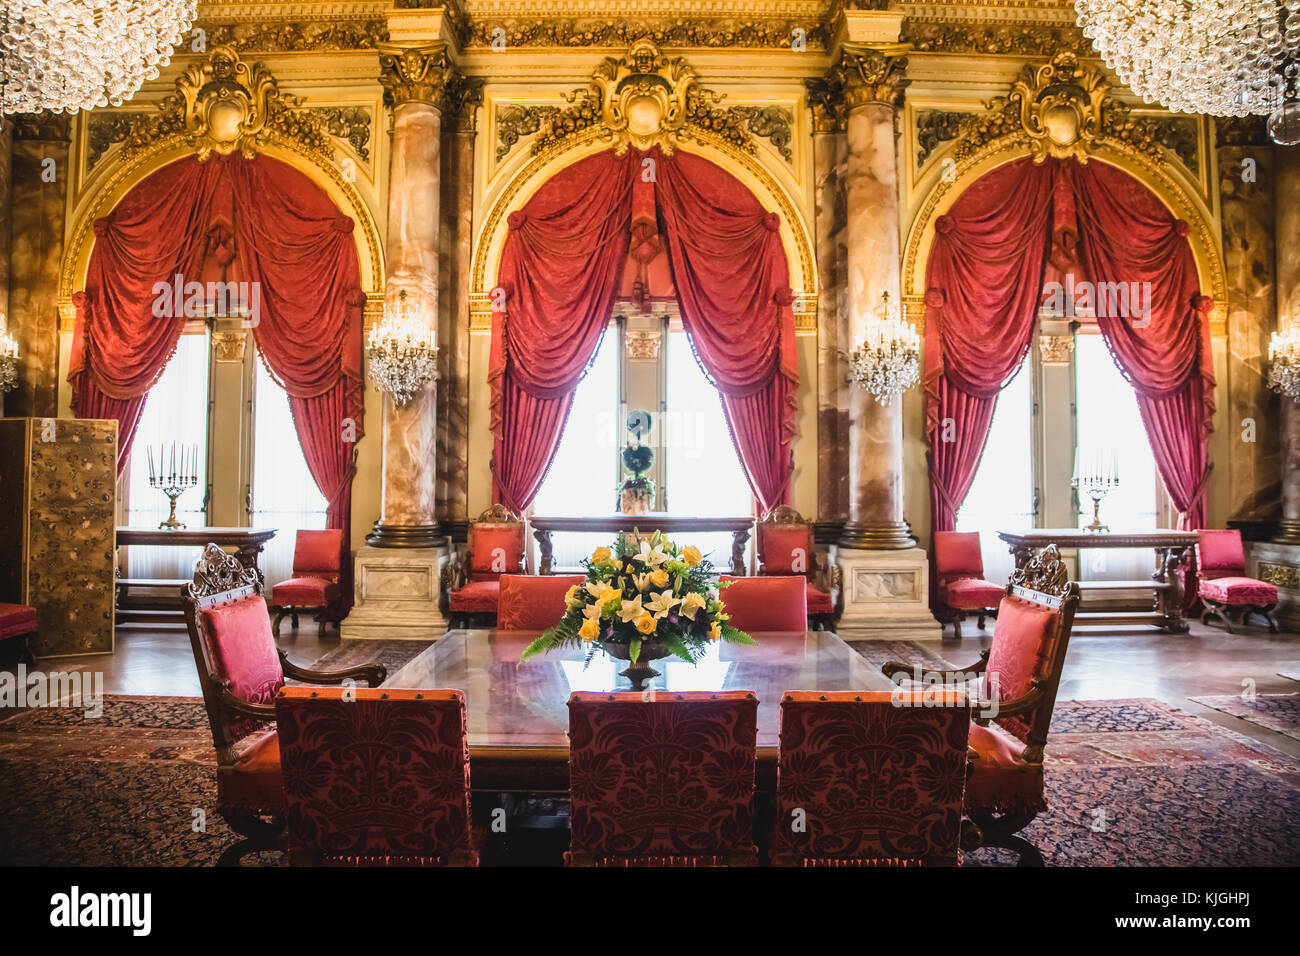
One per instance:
(517, 711)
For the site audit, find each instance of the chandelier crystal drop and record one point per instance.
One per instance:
(8, 357)
(401, 351)
(1284, 362)
(1221, 57)
(888, 362)
(70, 55)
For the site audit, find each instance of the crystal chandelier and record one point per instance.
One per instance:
(1284, 362)
(888, 362)
(8, 357)
(401, 351)
(1221, 57)
(69, 55)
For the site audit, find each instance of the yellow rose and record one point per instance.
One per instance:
(659, 578)
(646, 623)
(601, 554)
(568, 595)
(715, 631)
(589, 630)
(691, 555)
(608, 594)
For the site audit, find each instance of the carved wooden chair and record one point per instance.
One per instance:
(786, 547)
(240, 672)
(777, 603)
(662, 779)
(472, 582)
(314, 587)
(959, 573)
(1021, 672)
(375, 777)
(1222, 585)
(870, 779)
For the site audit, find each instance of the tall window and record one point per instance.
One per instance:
(584, 475)
(703, 475)
(1108, 424)
(1002, 496)
(284, 495)
(176, 410)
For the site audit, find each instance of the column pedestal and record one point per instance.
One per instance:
(1279, 565)
(397, 592)
(886, 595)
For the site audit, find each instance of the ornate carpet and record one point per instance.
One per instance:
(1279, 712)
(1130, 783)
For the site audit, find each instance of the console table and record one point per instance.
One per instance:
(246, 542)
(1166, 581)
(650, 521)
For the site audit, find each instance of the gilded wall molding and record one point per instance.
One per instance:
(297, 36)
(666, 32)
(995, 39)
(352, 124)
(861, 76)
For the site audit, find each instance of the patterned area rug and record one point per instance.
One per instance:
(1280, 712)
(1130, 783)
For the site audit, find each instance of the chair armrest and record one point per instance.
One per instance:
(1023, 704)
(244, 708)
(891, 668)
(373, 673)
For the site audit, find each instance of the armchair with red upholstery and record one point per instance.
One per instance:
(870, 778)
(533, 602)
(19, 621)
(786, 547)
(495, 546)
(1021, 672)
(662, 779)
(765, 603)
(959, 574)
(375, 777)
(314, 587)
(240, 672)
(1222, 585)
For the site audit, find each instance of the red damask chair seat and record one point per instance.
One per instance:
(1223, 588)
(973, 594)
(533, 602)
(870, 779)
(19, 620)
(1238, 591)
(1001, 780)
(477, 597)
(662, 780)
(252, 783)
(305, 591)
(820, 602)
(375, 777)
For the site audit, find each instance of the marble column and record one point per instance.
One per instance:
(884, 575)
(1288, 308)
(6, 184)
(398, 573)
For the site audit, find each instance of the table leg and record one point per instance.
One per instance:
(547, 550)
(1169, 562)
(246, 554)
(738, 541)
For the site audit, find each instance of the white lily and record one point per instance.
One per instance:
(631, 610)
(652, 555)
(662, 603)
(592, 611)
(642, 581)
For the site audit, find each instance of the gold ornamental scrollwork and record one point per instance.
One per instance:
(224, 105)
(414, 74)
(1060, 107)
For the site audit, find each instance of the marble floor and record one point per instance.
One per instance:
(1117, 664)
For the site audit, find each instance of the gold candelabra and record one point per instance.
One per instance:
(176, 471)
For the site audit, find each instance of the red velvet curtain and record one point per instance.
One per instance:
(984, 286)
(293, 243)
(557, 283)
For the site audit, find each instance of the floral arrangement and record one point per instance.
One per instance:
(635, 595)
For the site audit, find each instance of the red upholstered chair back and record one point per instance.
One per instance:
(766, 603)
(873, 778)
(318, 553)
(1220, 554)
(957, 554)
(533, 602)
(785, 543)
(662, 779)
(382, 777)
(1029, 644)
(496, 544)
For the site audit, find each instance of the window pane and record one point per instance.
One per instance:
(1108, 422)
(176, 410)
(1002, 495)
(285, 496)
(583, 478)
(703, 475)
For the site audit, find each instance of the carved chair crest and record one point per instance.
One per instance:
(1044, 578)
(219, 576)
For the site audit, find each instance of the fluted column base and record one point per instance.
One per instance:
(397, 591)
(1279, 564)
(878, 536)
(406, 536)
(1288, 532)
(885, 595)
